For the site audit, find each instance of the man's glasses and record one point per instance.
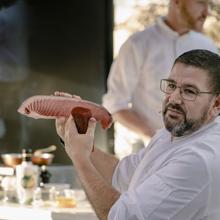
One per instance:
(187, 92)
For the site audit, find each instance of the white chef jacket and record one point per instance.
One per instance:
(178, 180)
(145, 59)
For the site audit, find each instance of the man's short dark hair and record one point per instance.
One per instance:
(205, 60)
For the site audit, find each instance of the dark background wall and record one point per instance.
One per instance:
(68, 47)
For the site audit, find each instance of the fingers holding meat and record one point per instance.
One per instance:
(79, 145)
(81, 116)
(60, 126)
(65, 94)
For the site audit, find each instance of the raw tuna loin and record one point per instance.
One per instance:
(51, 107)
(81, 117)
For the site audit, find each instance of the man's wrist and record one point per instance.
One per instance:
(81, 162)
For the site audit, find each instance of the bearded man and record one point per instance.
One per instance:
(177, 176)
(145, 58)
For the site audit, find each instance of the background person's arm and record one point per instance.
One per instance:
(123, 77)
(134, 122)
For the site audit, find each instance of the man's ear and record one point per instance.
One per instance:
(216, 106)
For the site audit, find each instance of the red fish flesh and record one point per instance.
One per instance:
(81, 117)
(51, 107)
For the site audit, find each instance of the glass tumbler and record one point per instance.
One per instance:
(45, 197)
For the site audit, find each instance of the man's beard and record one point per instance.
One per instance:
(192, 23)
(184, 127)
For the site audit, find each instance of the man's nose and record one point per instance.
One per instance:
(176, 96)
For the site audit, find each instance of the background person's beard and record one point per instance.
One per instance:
(191, 22)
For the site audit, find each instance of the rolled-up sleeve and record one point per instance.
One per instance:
(123, 78)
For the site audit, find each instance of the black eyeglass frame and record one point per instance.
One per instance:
(180, 87)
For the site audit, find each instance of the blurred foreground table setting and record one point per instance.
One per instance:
(82, 211)
(53, 201)
(39, 191)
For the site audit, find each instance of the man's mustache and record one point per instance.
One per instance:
(175, 107)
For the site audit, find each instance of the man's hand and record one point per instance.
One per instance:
(78, 146)
(65, 94)
(60, 126)
(94, 170)
(60, 122)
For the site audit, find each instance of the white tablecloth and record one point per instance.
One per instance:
(82, 211)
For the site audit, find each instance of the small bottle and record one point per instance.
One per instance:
(44, 175)
(26, 178)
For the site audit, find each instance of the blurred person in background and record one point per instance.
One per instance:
(143, 60)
